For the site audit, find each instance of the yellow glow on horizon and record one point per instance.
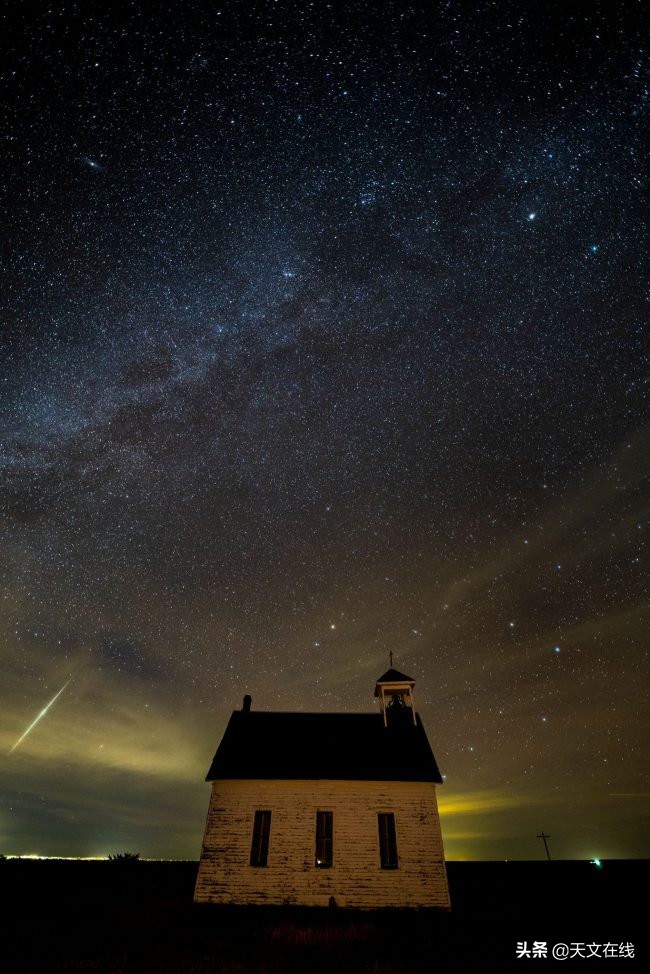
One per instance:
(480, 802)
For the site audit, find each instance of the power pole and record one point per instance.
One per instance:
(543, 836)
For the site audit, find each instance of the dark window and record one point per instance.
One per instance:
(387, 840)
(260, 844)
(324, 843)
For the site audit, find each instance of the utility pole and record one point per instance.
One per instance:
(542, 835)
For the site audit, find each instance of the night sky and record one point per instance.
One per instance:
(324, 335)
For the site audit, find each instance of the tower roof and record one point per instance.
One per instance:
(391, 677)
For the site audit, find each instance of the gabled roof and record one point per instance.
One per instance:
(318, 746)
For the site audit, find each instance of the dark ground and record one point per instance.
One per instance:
(113, 917)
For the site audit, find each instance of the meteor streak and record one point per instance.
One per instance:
(40, 716)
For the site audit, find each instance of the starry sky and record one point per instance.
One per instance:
(324, 335)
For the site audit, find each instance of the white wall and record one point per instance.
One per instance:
(356, 878)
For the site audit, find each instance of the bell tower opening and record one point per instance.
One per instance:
(395, 693)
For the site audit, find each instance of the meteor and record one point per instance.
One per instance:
(40, 716)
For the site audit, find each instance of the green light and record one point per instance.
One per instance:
(597, 863)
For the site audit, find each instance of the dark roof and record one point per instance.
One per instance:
(394, 676)
(317, 746)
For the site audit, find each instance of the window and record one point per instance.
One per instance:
(260, 844)
(324, 839)
(387, 840)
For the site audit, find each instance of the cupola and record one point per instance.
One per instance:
(395, 693)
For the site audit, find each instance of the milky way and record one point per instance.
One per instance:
(325, 336)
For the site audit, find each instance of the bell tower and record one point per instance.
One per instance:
(395, 693)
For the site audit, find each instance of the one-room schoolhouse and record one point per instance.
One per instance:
(321, 809)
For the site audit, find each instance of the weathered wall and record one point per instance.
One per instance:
(356, 878)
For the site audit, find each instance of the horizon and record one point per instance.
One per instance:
(34, 857)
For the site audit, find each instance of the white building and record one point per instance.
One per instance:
(317, 809)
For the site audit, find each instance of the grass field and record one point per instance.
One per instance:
(107, 917)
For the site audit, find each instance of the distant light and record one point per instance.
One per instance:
(557, 649)
(597, 863)
(531, 216)
(35, 855)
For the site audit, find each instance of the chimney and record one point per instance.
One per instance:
(246, 706)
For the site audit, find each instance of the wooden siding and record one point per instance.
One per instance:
(356, 879)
